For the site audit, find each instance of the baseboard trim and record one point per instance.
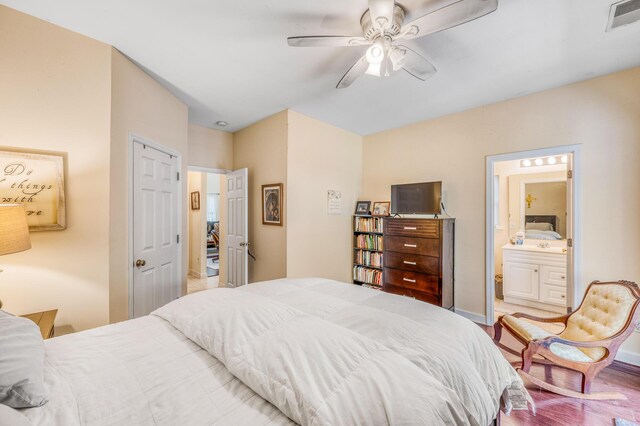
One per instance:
(628, 357)
(477, 318)
(195, 274)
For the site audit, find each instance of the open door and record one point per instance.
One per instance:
(571, 303)
(237, 228)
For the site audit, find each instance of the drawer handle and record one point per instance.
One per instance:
(535, 270)
(408, 280)
(562, 277)
(410, 228)
(411, 245)
(562, 296)
(409, 263)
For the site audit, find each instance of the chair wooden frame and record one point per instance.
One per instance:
(589, 370)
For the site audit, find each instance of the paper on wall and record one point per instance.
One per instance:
(334, 202)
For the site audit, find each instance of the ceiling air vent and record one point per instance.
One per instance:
(623, 13)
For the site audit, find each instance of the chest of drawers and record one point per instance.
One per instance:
(418, 259)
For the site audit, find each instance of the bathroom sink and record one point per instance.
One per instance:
(531, 247)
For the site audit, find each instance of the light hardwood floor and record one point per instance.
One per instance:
(556, 410)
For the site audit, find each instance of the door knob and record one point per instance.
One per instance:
(140, 262)
(245, 244)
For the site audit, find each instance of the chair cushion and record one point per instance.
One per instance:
(603, 313)
(528, 331)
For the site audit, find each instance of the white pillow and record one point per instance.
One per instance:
(21, 363)
(11, 417)
(541, 226)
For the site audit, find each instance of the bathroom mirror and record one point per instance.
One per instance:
(544, 212)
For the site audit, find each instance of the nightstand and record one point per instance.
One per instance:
(44, 320)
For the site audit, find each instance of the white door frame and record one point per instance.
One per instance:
(208, 170)
(133, 139)
(573, 274)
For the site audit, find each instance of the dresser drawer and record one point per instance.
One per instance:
(412, 262)
(412, 280)
(421, 246)
(434, 299)
(412, 228)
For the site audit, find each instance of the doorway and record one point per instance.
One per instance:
(218, 228)
(206, 222)
(532, 229)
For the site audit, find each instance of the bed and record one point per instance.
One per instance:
(308, 351)
(542, 227)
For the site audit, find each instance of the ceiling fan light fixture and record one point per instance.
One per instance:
(375, 54)
(383, 24)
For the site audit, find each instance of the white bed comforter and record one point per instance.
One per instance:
(328, 353)
(143, 372)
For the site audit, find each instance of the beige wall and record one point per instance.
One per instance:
(262, 148)
(141, 106)
(320, 157)
(213, 149)
(54, 97)
(198, 226)
(210, 148)
(601, 114)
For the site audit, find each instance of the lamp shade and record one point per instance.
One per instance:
(14, 230)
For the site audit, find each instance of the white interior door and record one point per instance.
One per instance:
(156, 207)
(237, 228)
(571, 303)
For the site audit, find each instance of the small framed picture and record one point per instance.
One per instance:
(195, 200)
(381, 208)
(272, 204)
(363, 207)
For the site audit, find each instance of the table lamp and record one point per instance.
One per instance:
(14, 230)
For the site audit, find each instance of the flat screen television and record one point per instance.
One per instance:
(416, 198)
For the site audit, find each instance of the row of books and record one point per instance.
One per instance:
(368, 258)
(373, 286)
(368, 241)
(368, 224)
(366, 275)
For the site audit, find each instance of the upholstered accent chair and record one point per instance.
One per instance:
(589, 342)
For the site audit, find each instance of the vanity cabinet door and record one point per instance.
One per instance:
(521, 280)
(554, 295)
(554, 275)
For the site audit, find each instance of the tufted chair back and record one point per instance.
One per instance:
(605, 311)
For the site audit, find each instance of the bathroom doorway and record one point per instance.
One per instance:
(532, 225)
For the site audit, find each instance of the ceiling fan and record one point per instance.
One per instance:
(383, 24)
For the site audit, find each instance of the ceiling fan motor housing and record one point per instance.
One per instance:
(372, 33)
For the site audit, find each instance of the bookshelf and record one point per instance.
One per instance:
(367, 251)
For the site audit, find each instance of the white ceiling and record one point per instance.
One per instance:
(229, 60)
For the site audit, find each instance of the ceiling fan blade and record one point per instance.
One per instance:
(456, 13)
(381, 12)
(326, 41)
(411, 62)
(354, 72)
